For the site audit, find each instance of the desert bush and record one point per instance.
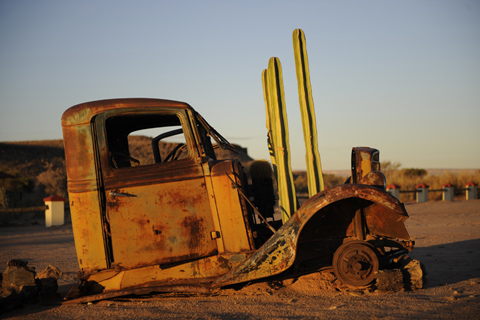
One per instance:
(53, 181)
(300, 182)
(388, 166)
(413, 172)
(17, 182)
(329, 180)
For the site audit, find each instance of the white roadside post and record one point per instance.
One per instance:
(471, 191)
(54, 215)
(394, 190)
(448, 192)
(422, 192)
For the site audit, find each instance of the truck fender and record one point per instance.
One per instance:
(278, 253)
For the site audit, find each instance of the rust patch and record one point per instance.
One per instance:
(384, 222)
(224, 263)
(193, 228)
(374, 178)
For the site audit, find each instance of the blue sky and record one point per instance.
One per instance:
(400, 76)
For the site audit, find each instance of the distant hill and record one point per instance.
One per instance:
(30, 158)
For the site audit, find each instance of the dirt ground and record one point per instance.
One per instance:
(447, 236)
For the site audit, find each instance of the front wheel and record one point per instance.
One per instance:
(355, 263)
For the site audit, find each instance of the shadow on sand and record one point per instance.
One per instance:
(450, 263)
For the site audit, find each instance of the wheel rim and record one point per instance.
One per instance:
(355, 263)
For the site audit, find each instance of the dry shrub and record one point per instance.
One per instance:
(301, 181)
(331, 180)
(17, 182)
(141, 149)
(53, 181)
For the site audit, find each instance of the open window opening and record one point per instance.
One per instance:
(146, 139)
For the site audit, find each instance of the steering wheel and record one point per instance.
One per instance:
(173, 154)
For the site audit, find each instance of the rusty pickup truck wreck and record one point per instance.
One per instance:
(185, 221)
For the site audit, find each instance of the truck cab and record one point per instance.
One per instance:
(179, 219)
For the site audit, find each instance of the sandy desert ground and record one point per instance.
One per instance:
(447, 238)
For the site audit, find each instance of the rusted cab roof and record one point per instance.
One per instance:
(83, 113)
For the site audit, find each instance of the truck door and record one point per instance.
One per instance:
(156, 204)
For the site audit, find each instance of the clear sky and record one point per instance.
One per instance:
(400, 76)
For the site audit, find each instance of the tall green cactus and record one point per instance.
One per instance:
(271, 148)
(314, 167)
(277, 125)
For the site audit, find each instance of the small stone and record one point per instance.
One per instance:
(50, 272)
(19, 278)
(414, 274)
(48, 284)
